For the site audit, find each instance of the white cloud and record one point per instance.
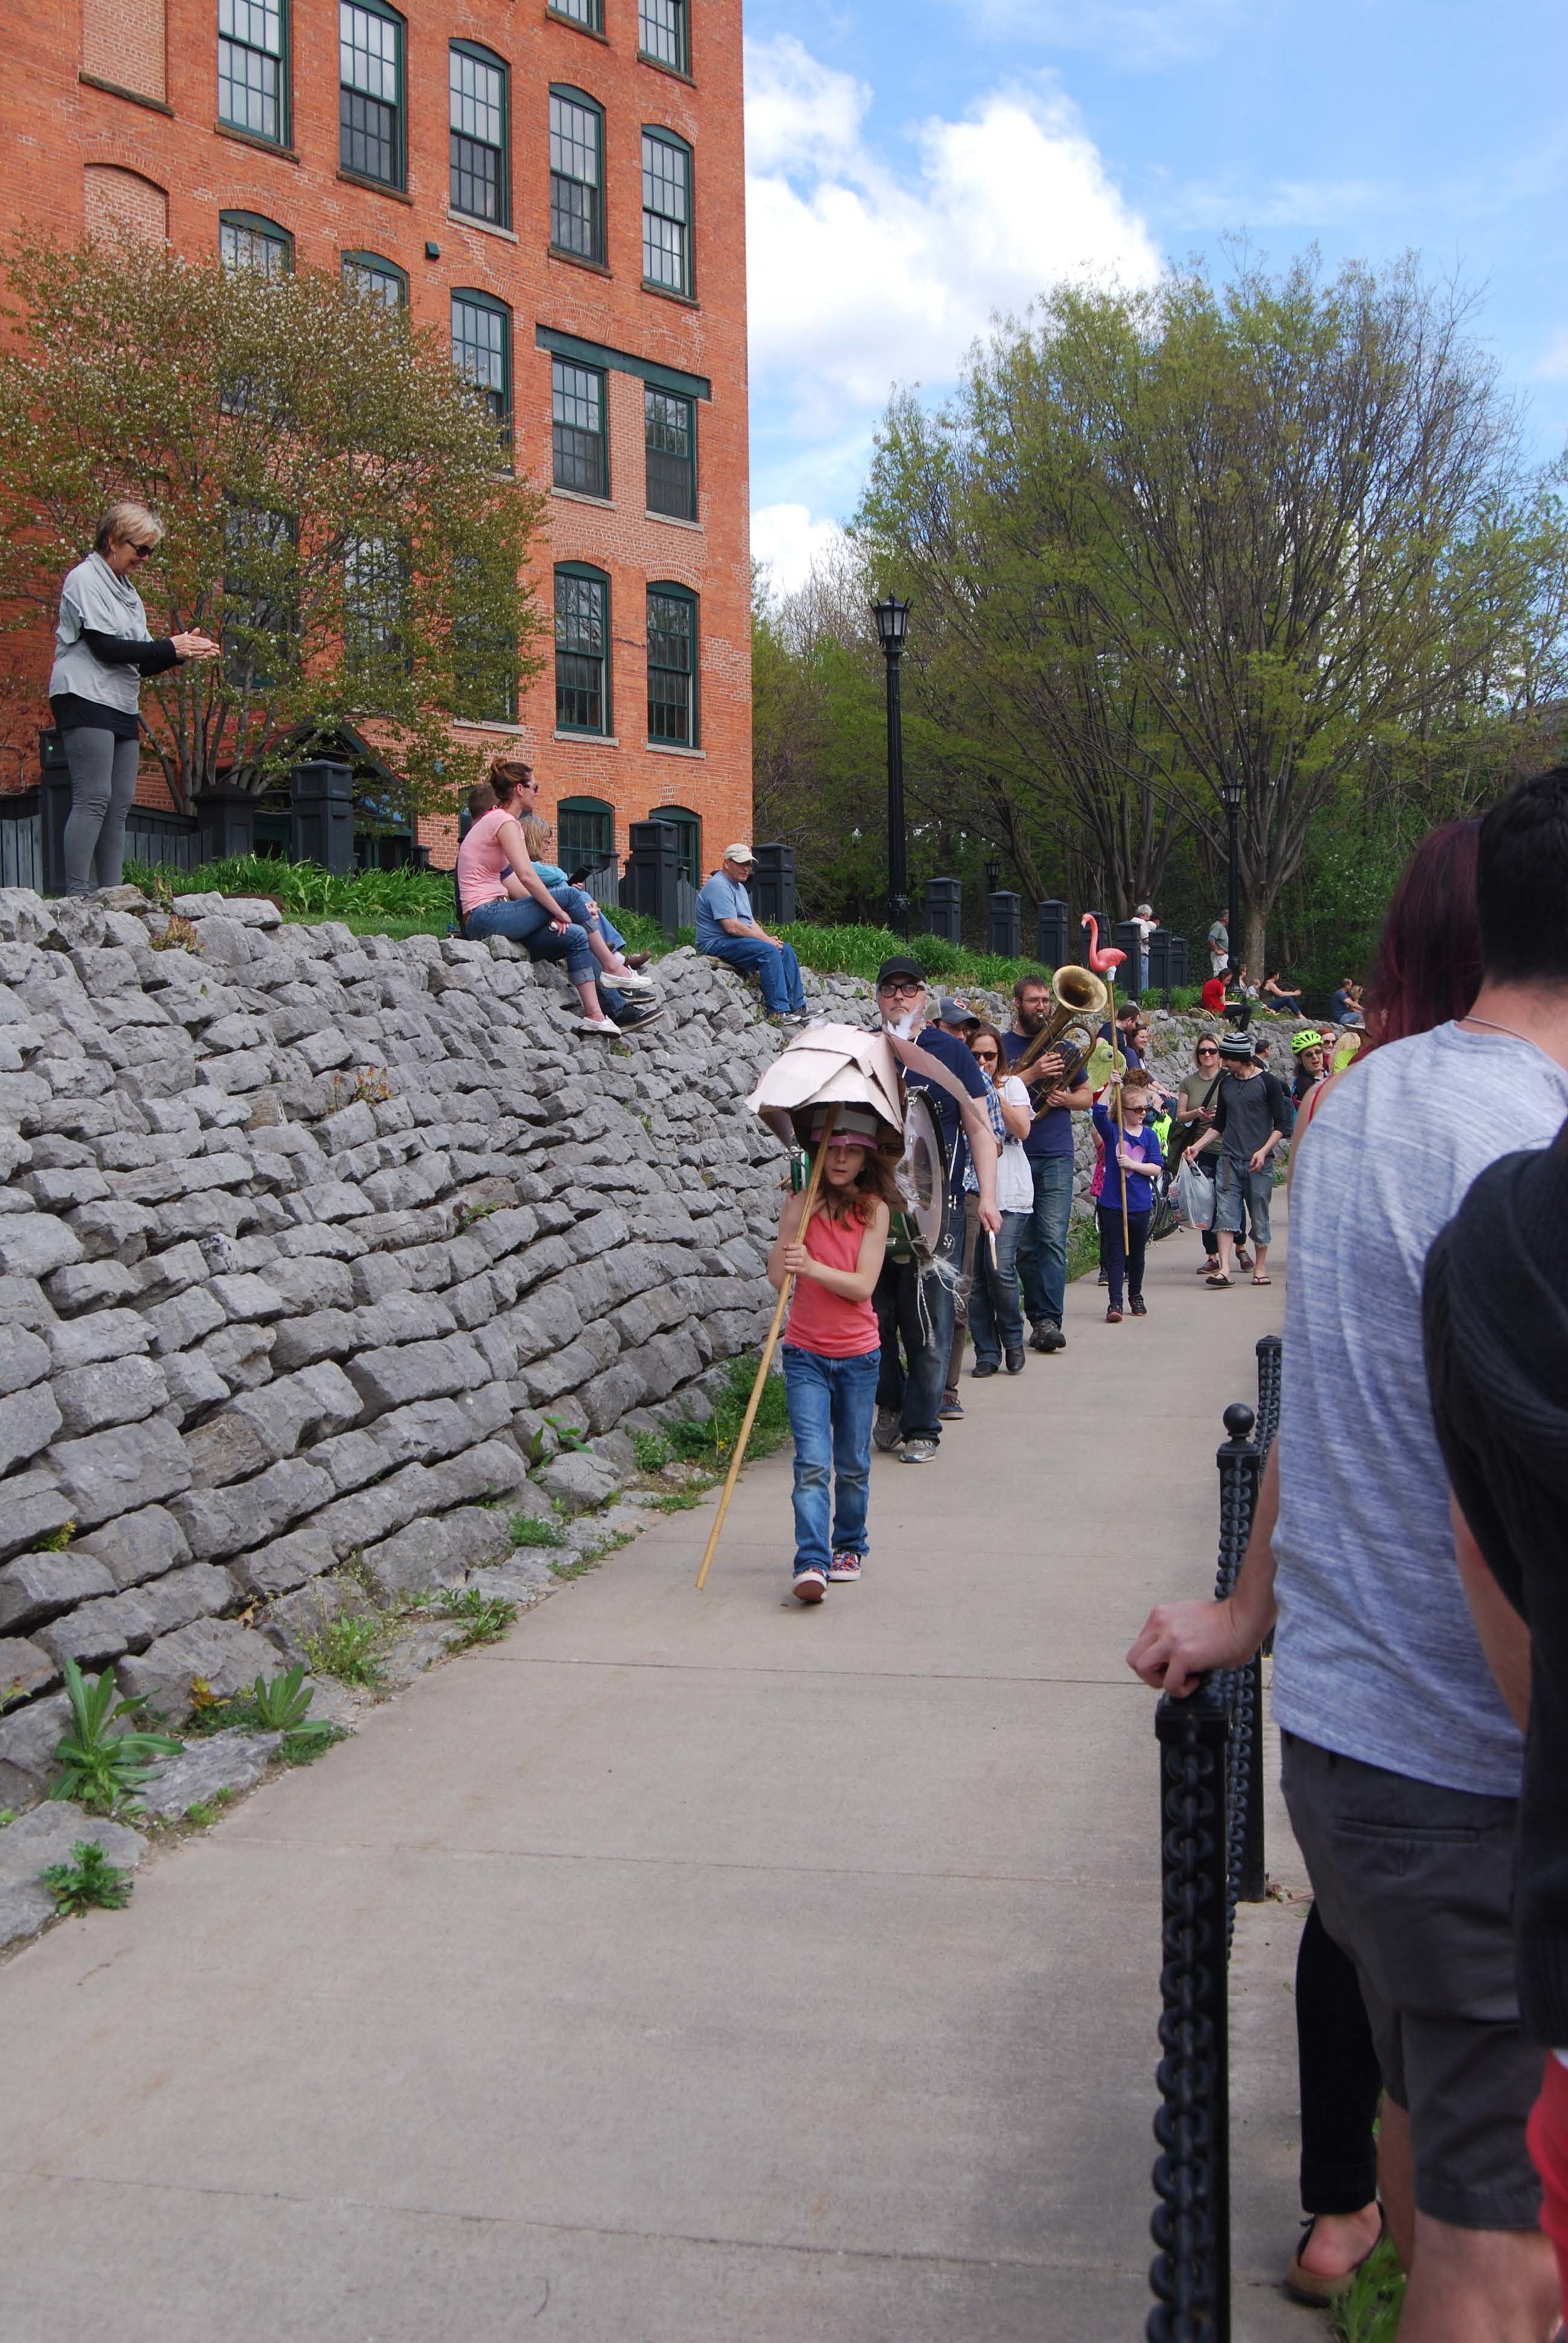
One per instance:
(787, 540)
(862, 274)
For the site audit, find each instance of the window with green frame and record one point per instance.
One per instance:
(689, 825)
(662, 33)
(482, 351)
(672, 666)
(375, 611)
(666, 211)
(587, 13)
(582, 648)
(477, 113)
(376, 280)
(370, 125)
(252, 68)
(245, 240)
(577, 174)
(669, 427)
(583, 825)
(580, 453)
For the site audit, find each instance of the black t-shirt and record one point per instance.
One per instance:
(1246, 1112)
(1496, 1327)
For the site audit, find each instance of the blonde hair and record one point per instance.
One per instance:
(127, 523)
(537, 835)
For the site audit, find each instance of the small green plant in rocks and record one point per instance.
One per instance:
(103, 1761)
(89, 1879)
(578, 1567)
(483, 1618)
(651, 1450)
(528, 1531)
(205, 1811)
(566, 1434)
(57, 1541)
(347, 1649)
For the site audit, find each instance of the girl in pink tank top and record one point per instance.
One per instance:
(832, 1352)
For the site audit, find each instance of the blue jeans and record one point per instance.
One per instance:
(523, 921)
(996, 1321)
(778, 971)
(831, 1402)
(917, 1306)
(1042, 1251)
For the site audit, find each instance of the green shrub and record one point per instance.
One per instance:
(89, 1879)
(483, 1618)
(348, 1649)
(651, 1450)
(103, 1760)
(419, 901)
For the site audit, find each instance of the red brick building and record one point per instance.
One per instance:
(559, 188)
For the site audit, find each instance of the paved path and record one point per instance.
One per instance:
(693, 1970)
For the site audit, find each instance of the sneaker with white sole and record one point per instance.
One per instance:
(844, 1568)
(919, 1451)
(885, 1432)
(811, 1585)
(635, 987)
(604, 1027)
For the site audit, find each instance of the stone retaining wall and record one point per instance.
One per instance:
(301, 1236)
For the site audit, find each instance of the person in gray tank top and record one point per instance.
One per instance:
(1402, 1763)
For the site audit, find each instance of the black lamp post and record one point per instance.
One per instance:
(892, 619)
(1231, 793)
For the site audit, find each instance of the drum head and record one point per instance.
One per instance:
(922, 1172)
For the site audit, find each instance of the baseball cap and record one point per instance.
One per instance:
(901, 965)
(1238, 1048)
(1309, 1038)
(953, 1012)
(738, 853)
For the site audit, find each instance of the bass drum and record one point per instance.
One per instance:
(922, 1176)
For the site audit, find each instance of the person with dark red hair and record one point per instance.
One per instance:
(1428, 967)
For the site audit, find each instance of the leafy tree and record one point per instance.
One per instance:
(338, 512)
(1270, 533)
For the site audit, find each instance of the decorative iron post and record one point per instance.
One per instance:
(1270, 1370)
(1191, 2272)
(1241, 1471)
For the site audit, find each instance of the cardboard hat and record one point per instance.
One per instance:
(839, 1065)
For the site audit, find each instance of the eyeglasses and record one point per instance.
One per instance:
(984, 1056)
(141, 552)
(898, 985)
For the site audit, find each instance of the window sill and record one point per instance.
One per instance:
(376, 186)
(578, 497)
(590, 739)
(663, 293)
(484, 227)
(261, 146)
(674, 520)
(671, 748)
(493, 724)
(559, 16)
(575, 260)
(676, 73)
(131, 97)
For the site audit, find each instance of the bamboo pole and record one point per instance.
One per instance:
(752, 1405)
(1120, 1127)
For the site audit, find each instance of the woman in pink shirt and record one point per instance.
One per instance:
(493, 860)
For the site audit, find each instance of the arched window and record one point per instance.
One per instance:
(672, 666)
(577, 174)
(477, 113)
(376, 279)
(666, 211)
(689, 825)
(245, 240)
(582, 648)
(584, 826)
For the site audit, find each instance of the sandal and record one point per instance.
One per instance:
(1263, 1280)
(1218, 1280)
(1312, 2286)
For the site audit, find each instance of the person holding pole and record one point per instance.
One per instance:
(1132, 1157)
(831, 1243)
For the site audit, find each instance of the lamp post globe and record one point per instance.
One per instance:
(892, 618)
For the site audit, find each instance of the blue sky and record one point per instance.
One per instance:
(915, 169)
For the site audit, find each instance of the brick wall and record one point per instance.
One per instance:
(73, 154)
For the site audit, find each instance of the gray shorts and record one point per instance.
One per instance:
(1416, 1883)
(1234, 1182)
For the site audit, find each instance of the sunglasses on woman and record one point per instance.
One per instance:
(984, 1056)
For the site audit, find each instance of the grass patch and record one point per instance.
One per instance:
(205, 1811)
(1369, 2310)
(349, 1649)
(771, 1429)
(577, 1568)
(480, 1618)
(384, 902)
(681, 1500)
(527, 1530)
(1082, 1250)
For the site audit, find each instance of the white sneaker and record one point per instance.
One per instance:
(631, 983)
(606, 1026)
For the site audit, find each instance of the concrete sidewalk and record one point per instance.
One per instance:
(695, 1967)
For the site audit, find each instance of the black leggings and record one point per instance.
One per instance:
(1340, 2080)
(1110, 1252)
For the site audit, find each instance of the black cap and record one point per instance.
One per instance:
(900, 966)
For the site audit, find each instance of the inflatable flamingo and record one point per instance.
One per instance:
(1102, 962)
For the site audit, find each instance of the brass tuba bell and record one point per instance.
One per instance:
(1081, 1001)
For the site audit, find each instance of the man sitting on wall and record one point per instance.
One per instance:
(726, 931)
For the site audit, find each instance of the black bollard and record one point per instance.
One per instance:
(1241, 1471)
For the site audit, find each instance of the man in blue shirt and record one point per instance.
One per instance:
(1042, 1255)
(727, 929)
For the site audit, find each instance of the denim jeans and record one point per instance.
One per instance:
(917, 1306)
(1043, 1249)
(1115, 1259)
(777, 968)
(525, 921)
(996, 1321)
(1238, 1184)
(832, 1404)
